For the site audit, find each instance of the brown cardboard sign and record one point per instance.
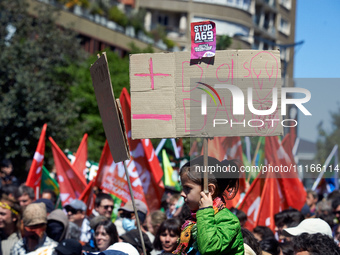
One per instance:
(236, 93)
(113, 124)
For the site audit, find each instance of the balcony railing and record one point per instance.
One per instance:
(128, 31)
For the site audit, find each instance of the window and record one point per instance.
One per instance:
(284, 26)
(241, 4)
(226, 27)
(163, 20)
(286, 3)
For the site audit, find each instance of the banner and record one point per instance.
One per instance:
(169, 91)
(112, 178)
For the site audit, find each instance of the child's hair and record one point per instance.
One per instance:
(224, 175)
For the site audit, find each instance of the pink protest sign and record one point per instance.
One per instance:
(203, 39)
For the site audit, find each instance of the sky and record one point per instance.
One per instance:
(317, 62)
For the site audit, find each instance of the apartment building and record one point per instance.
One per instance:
(253, 24)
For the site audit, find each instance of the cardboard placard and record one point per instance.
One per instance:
(112, 121)
(168, 91)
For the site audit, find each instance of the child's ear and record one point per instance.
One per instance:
(212, 189)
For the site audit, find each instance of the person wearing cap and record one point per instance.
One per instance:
(10, 215)
(68, 247)
(127, 216)
(33, 223)
(286, 218)
(48, 203)
(122, 247)
(76, 213)
(309, 226)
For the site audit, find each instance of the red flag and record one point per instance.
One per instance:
(34, 175)
(274, 191)
(146, 161)
(263, 201)
(79, 163)
(71, 184)
(272, 202)
(88, 197)
(288, 147)
(288, 176)
(251, 202)
(104, 162)
(112, 179)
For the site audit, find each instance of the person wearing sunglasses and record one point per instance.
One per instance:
(76, 213)
(103, 205)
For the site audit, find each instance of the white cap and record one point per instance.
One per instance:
(248, 250)
(310, 226)
(124, 247)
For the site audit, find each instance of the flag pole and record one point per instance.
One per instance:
(205, 165)
(134, 207)
(255, 155)
(325, 166)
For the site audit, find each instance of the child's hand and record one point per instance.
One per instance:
(206, 201)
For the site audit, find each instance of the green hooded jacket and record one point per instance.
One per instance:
(218, 233)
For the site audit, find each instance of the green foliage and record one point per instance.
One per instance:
(137, 20)
(117, 16)
(34, 88)
(135, 49)
(327, 140)
(95, 8)
(45, 78)
(223, 42)
(169, 43)
(159, 33)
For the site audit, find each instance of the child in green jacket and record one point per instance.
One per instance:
(212, 228)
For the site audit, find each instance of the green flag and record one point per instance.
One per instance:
(47, 182)
(170, 177)
(116, 205)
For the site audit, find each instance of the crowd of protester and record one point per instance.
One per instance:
(27, 225)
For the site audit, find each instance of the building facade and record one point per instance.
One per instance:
(252, 24)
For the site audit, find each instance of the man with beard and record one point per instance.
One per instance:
(33, 224)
